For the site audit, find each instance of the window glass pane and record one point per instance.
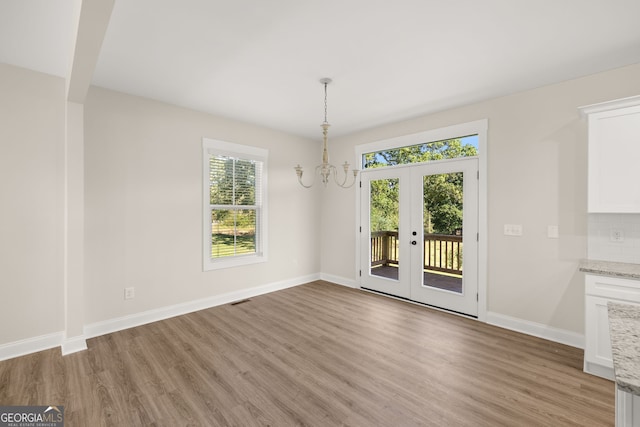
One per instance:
(246, 231)
(233, 232)
(232, 181)
(221, 180)
(429, 151)
(245, 182)
(222, 233)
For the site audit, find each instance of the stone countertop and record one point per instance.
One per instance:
(609, 268)
(624, 328)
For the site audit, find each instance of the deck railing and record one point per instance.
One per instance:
(384, 248)
(442, 252)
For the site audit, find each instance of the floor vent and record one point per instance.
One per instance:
(242, 301)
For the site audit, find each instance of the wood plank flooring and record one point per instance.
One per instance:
(316, 355)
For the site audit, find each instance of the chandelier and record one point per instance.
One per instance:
(326, 169)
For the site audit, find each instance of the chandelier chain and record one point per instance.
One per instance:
(325, 101)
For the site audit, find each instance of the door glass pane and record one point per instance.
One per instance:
(383, 222)
(442, 217)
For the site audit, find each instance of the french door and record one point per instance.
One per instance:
(419, 233)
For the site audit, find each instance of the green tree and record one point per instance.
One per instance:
(442, 193)
(443, 203)
(384, 204)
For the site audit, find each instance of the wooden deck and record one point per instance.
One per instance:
(431, 278)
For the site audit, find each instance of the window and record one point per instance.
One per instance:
(465, 146)
(234, 215)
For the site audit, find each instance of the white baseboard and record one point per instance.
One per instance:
(138, 319)
(600, 371)
(30, 345)
(73, 345)
(68, 346)
(350, 283)
(539, 330)
(79, 343)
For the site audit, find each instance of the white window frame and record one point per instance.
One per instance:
(216, 147)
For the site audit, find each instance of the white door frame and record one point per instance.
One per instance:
(478, 127)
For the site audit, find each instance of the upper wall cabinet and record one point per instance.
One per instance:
(614, 155)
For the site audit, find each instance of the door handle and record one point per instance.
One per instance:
(413, 242)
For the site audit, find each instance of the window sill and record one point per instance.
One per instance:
(237, 261)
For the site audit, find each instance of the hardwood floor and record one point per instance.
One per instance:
(317, 355)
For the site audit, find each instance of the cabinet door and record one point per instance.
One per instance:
(597, 348)
(599, 291)
(613, 160)
(627, 409)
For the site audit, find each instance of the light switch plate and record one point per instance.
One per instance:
(513, 230)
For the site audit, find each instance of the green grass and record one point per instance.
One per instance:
(223, 244)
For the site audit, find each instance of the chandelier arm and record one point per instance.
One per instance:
(345, 168)
(334, 174)
(346, 176)
(335, 178)
(346, 172)
(305, 186)
(299, 172)
(350, 185)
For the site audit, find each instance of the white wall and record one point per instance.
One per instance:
(31, 192)
(537, 177)
(143, 180)
(143, 191)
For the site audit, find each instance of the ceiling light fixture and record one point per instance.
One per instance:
(326, 169)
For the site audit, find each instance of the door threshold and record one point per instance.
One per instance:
(446, 310)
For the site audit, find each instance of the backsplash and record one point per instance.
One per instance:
(614, 237)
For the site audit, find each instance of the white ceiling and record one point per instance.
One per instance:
(259, 61)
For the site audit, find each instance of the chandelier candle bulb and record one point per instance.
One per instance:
(326, 169)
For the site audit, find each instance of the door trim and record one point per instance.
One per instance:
(479, 127)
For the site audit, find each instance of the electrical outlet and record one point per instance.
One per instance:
(617, 235)
(552, 232)
(129, 293)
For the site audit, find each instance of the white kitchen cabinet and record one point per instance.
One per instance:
(627, 409)
(597, 346)
(614, 153)
(599, 290)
